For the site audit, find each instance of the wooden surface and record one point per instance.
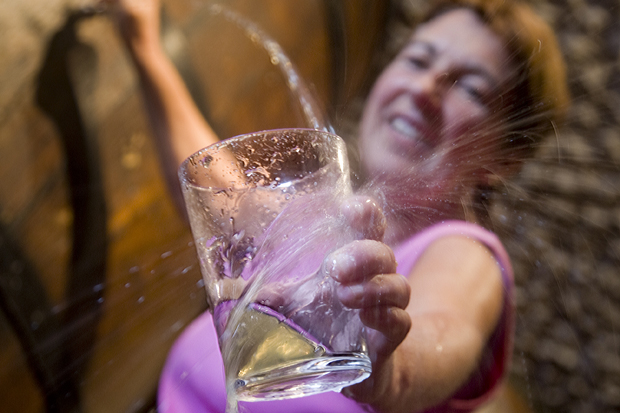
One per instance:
(152, 283)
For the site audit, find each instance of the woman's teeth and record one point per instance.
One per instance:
(404, 127)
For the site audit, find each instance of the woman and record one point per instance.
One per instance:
(455, 111)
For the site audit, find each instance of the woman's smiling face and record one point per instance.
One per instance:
(437, 102)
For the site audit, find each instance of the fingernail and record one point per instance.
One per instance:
(330, 266)
(338, 263)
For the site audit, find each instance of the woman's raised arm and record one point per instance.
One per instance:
(178, 126)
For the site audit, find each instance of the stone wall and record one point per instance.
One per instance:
(565, 236)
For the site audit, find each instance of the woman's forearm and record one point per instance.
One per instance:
(434, 361)
(455, 305)
(177, 125)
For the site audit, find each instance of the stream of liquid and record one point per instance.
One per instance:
(314, 115)
(283, 333)
(267, 355)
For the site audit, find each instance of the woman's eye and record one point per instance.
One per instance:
(472, 89)
(419, 62)
(474, 92)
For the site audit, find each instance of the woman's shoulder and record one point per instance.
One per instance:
(452, 227)
(409, 251)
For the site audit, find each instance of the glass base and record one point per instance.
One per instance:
(270, 357)
(330, 372)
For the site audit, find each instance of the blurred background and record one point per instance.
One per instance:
(98, 273)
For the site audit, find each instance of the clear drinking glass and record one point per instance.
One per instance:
(264, 213)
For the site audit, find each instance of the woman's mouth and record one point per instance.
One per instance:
(404, 127)
(411, 135)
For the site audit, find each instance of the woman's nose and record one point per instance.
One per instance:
(427, 92)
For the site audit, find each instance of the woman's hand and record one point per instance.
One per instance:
(137, 21)
(178, 127)
(453, 299)
(366, 273)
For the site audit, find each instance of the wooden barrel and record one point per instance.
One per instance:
(99, 273)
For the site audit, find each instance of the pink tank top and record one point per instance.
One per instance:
(193, 376)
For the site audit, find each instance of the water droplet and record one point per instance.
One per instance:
(176, 326)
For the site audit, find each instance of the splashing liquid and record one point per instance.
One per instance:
(312, 111)
(274, 338)
(268, 355)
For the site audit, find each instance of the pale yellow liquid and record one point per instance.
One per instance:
(266, 359)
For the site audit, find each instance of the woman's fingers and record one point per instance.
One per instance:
(367, 280)
(365, 217)
(382, 290)
(389, 326)
(359, 261)
(382, 301)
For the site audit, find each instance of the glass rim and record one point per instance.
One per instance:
(184, 167)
